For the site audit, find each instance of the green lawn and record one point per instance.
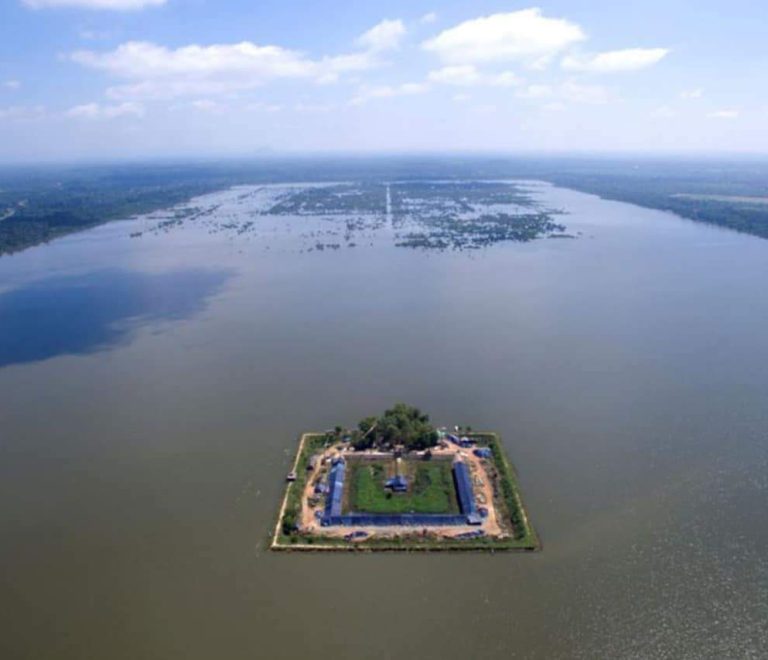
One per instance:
(431, 488)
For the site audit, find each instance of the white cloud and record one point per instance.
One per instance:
(99, 111)
(118, 5)
(160, 72)
(207, 105)
(431, 17)
(22, 112)
(94, 35)
(520, 35)
(260, 106)
(11, 84)
(467, 75)
(141, 59)
(366, 94)
(664, 112)
(690, 94)
(455, 75)
(614, 61)
(504, 79)
(570, 90)
(329, 68)
(536, 92)
(314, 108)
(486, 108)
(724, 114)
(383, 36)
(171, 89)
(579, 93)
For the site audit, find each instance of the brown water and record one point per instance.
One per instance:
(152, 391)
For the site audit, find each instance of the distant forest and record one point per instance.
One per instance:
(730, 194)
(38, 204)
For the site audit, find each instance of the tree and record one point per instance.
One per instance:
(289, 522)
(361, 442)
(401, 424)
(367, 424)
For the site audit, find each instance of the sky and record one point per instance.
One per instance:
(126, 79)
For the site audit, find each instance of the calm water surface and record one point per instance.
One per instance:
(152, 390)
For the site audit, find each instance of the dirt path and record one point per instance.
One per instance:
(276, 534)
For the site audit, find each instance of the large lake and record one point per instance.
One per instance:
(152, 390)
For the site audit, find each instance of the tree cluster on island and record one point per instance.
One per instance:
(400, 425)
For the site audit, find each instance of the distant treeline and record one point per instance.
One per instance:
(39, 205)
(663, 191)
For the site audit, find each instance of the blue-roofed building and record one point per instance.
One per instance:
(465, 493)
(398, 484)
(332, 514)
(335, 491)
(483, 452)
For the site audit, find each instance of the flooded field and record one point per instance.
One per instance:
(430, 215)
(155, 375)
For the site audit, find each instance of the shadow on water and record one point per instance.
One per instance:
(87, 313)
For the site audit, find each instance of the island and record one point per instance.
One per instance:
(395, 482)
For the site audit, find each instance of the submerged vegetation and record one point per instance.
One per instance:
(450, 232)
(425, 203)
(38, 205)
(431, 215)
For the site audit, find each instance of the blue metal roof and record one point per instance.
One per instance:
(335, 489)
(464, 488)
(396, 519)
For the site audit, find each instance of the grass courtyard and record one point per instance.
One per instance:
(430, 487)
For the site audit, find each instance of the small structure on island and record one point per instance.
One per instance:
(398, 484)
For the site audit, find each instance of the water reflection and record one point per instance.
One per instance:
(86, 313)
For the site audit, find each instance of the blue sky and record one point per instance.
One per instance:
(85, 79)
